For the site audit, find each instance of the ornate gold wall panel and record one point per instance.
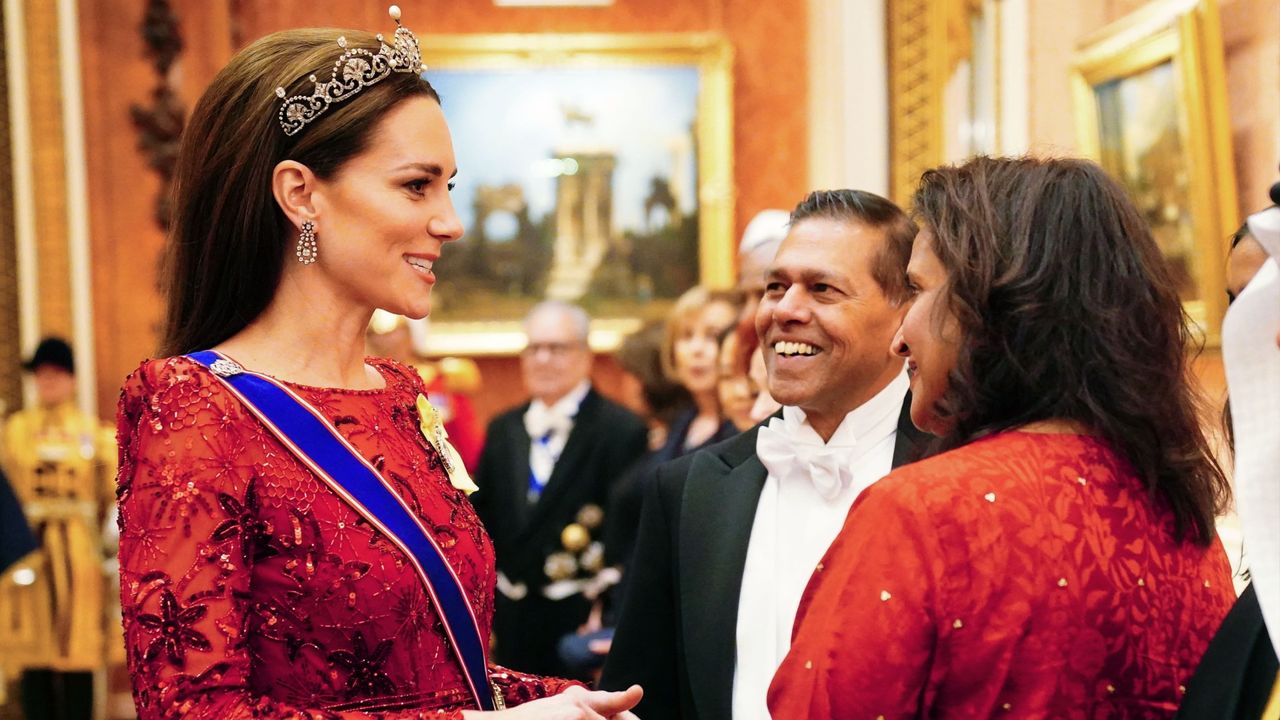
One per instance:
(918, 63)
(10, 352)
(44, 105)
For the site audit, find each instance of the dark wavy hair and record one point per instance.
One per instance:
(229, 238)
(1068, 312)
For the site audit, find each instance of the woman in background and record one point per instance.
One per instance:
(690, 357)
(687, 357)
(644, 388)
(1061, 559)
(737, 388)
(681, 370)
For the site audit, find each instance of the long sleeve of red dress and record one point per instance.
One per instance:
(1024, 575)
(249, 589)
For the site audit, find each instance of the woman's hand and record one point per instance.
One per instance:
(575, 703)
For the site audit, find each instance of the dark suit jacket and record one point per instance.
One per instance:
(628, 495)
(16, 539)
(677, 632)
(1236, 674)
(605, 440)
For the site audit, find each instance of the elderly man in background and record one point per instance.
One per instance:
(545, 476)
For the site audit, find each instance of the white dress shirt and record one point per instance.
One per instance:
(549, 427)
(794, 526)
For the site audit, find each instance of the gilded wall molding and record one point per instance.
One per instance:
(918, 62)
(48, 165)
(43, 186)
(10, 325)
(927, 40)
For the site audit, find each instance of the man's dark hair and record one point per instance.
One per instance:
(890, 266)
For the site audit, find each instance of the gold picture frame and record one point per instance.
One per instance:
(484, 293)
(1150, 104)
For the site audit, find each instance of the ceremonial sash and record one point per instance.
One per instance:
(319, 446)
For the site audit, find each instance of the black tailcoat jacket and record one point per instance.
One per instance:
(605, 439)
(1237, 674)
(676, 634)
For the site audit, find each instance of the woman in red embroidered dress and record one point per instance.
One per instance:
(1061, 560)
(250, 588)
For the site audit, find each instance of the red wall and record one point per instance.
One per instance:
(770, 124)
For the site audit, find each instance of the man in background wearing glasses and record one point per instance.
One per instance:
(544, 477)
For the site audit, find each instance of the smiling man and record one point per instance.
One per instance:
(729, 536)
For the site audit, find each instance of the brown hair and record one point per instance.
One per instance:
(641, 355)
(889, 268)
(228, 240)
(1068, 312)
(693, 301)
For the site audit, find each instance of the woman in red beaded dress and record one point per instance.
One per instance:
(249, 587)
(1060, 561)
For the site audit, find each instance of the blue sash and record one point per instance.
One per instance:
(317, 444)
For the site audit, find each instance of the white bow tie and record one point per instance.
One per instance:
(826, 466)
(540, 421)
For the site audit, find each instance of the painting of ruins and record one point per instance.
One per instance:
(577, 182)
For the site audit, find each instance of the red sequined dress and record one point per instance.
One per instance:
(250, 589)
(1021, 576)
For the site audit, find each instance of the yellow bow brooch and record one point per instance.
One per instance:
(433, 430)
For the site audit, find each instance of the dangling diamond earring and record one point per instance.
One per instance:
(307, 243)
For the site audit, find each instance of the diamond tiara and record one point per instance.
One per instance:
(355, 69)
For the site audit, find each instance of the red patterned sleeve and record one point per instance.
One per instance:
(189, 455)
(866, 628)
(518, 688)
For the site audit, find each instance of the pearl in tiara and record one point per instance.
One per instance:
(354, 70)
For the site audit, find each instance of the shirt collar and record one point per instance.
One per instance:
(568, 405)
(863, 422)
